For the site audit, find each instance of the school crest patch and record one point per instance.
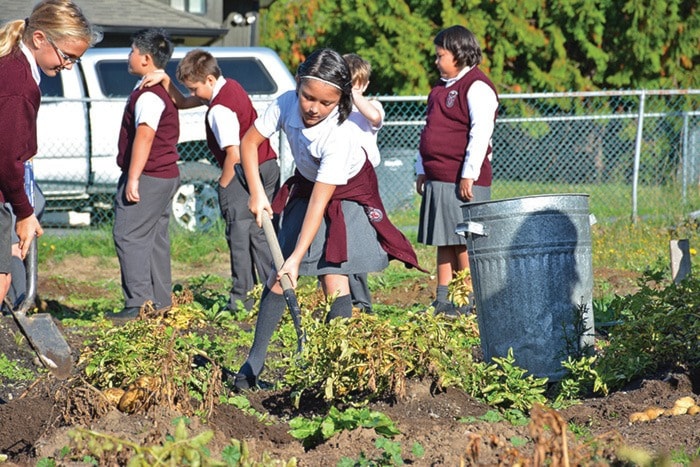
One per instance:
(374, 214)
(451, 99)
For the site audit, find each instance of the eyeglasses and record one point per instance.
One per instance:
(62, 55)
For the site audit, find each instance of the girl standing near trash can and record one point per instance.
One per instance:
(51, 39)
(333, 221)
(454, 164)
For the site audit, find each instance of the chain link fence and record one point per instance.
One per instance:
(635, 153)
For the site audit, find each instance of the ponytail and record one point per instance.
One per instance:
(10, 35)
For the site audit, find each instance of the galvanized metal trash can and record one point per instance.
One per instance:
(530, 262)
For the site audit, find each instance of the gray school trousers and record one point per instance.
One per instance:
(142, 241)
(251, 259)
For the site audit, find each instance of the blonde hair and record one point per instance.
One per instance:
(360, 69)
(58, 19)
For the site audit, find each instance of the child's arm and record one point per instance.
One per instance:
(373, 115)
(482, 103)
(139, 156)
(420, 175)
(233, 157)
(226, 128)
(180, 100)
(258, 204)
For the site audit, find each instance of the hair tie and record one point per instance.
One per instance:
(26, 23)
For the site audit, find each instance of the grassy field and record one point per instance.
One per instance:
(617, 243)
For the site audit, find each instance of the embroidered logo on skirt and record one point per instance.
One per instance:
(374, 214)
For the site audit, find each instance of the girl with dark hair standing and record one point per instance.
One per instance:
(333, 221)
(454, 164)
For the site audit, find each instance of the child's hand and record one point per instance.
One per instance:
(260, 206)
(420, 184)
(154, 77)
(465, 189)
(27, 230)
(291, 269)
(358, 88)
(131, 191)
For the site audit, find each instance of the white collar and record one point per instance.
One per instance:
(220, 81)
(450, 81)
(32, 62)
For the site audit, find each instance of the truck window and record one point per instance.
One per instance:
(248, 71)
(116, 81)
(51, 86)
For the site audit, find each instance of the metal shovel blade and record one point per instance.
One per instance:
(40, 329)
(47, 341)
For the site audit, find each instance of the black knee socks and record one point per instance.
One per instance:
(272, 307)
(341, 307)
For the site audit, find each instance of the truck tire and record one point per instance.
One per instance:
(196, 203)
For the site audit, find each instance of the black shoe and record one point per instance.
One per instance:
(439, 307)
(239, 381)
(457, 311)
(127, 314)
(465, 310)
(449, 309)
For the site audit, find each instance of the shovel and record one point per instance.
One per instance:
(40, 329)
(288, 291)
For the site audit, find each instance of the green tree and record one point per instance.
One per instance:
(528, 45)
(653, 44)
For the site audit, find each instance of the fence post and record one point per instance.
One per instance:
(687, 169)
(637, 154)
(680, 259)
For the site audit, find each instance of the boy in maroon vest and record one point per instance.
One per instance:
(148, 158)
(454, 164)
(229, 116)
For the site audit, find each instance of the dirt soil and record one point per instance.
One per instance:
(446, 423)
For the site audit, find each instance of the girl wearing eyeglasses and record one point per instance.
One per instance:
(52, 38)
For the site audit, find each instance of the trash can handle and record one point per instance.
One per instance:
(473, 228)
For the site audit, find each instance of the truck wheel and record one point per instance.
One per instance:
(196, 206)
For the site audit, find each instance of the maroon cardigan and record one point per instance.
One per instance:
(363, 189)
(19, 104)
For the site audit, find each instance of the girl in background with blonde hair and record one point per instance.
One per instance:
(52, 38)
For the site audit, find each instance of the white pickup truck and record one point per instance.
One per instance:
(78, 128)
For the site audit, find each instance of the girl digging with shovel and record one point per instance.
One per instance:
(333, 222)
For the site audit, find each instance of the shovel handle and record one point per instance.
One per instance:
(30, 261)
(277, 257)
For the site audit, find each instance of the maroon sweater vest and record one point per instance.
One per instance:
(233, 96)
(444, 139)
(162, 160)
(19, 104)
